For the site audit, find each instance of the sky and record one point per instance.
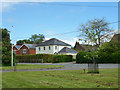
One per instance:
(51, 18)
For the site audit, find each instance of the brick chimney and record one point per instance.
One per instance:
(66, 49)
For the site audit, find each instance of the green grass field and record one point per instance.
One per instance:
(108, 78)
(30, 66)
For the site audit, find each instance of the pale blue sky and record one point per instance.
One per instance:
(47, 19)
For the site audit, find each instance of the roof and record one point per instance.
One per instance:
(30, 46)
(116, 37)
(18, 46)
(78, 46)
(67, 50)
(54, 41)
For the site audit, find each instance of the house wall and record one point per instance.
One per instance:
(28, 51)
(73, 54)
(32, 51)
(16, 51)
(51, 51)
(21, 50)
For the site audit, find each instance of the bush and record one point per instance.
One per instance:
(47, 58)
(80, 58)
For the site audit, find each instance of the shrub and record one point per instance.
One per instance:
(80, 58)
(47, 58)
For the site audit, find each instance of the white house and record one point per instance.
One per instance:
(51, 46)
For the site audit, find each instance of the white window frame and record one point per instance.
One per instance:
(24, 50)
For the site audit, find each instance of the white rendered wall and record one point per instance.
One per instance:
(51, 51)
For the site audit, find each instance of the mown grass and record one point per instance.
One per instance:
(30, 67)
(108, 78)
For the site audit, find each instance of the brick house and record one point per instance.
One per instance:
(24, 49)
(78, 47)
(16, 49)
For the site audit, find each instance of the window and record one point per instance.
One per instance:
(49, 47)
(24, 51)
(55, 47)
(44, 48)
(39, 48)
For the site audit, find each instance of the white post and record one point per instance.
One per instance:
(12, 47)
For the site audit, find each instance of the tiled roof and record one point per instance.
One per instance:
(53, 41)
(67, 50)
(30, 46)
(78, 46)
(18, 46)
(116, 37)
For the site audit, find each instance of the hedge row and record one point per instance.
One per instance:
(47, 58)
(103, 57)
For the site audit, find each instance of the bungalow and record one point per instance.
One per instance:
(68, 51)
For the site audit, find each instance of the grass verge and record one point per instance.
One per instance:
(108, 78)
(31, 67)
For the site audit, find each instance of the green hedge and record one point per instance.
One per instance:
(47, 58)
(80, 57)
(104, 57)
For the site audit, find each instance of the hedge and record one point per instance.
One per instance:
(104, 57)
(47, 58)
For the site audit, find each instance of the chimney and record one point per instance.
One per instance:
(66, 49)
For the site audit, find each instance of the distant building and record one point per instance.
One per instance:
(78, 47)
(52, 46)
(24, 49)
(116, 37)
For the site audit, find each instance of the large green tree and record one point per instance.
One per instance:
(95, 31)
(6, 47)
(24, 41)
(37, 38)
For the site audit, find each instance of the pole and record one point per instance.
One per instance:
(12, 47)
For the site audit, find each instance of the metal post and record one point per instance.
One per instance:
(12, 48)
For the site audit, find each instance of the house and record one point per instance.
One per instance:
(16, 49)
(68, 51)
(52, 46)
(84, 47)
(24, 49)
(78, 47)
(116, 37)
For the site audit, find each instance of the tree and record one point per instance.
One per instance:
(37, 38)
(95, 32)
(24, 41)
(6, 47)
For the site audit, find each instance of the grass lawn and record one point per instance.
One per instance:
(108, 78)
(30, 66)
